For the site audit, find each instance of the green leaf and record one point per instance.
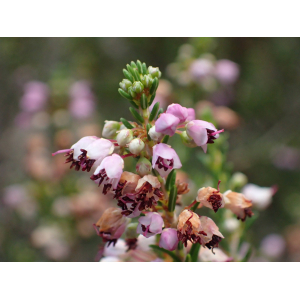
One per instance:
(194, 251)
(133, 65)
(124, 94)
(148, 128)
(130, 70)
(126, 123)
(154, 112)
(133, 104)
(154, 86)
(128, 75)
(139, 66)
(145, 70)
(136, 115)
(172, 198)
(171, 179)
(161, 110)
(152, 99)
(195, 206)
(162, 250)
(144, 101)
(137, 75)
(165, 139)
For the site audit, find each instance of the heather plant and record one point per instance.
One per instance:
(148, 219)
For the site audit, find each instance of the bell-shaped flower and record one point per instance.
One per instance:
(261, 197)
(211, 236)
(178, 111)
(169, 239)
(211, 198)
(73, 154)
(111, 225)
(238, 204)
(109, 172)
(166, 124)
(150, 225)
(202, 133)
(95, 153)
(191, 115)
(165, 159)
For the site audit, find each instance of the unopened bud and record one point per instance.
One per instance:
(155, 136)
(154, 72)
(136, 146)
(110, 128)
(147, 81)
(131, 92)
(125, 84)
(137, 87)
(143, 166)
(124, 137)
(238, 180)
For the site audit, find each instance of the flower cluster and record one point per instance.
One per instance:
(147, 199)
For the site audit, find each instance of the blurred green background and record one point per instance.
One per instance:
(264, 145)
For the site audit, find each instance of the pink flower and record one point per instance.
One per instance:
(169, 239)
(165, 159)
(35, 96)
(87, 151)
(202, 133)
(150, 225)
(166, 124)
(261, 197)
(226, 71)
(201, 68)
(191, 115)
(109, 172)
(83, 103)
(178, 111)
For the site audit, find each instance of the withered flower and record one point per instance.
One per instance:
(144, 196)
(212, 235)
(238, 204)
(189, 227)
(111, 225)
(211, 198)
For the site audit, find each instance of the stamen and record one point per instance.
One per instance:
(216, 132)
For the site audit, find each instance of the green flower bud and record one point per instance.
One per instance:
(136, 146)
(125, 84)
(130, 232)
(110, 128)
(137, 87)
(131, 92)
(238, 180)
(154, 72)
(143, 166)
(147, 81)
(186, 140)
(124, 137)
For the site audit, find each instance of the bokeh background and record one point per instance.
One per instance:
(55, 90)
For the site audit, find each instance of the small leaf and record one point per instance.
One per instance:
(171, 179)
(165, 139)
(124, 94)
(154, 86)
(154, 112)
(148, 128)
(128, 75)
(172, 198)
(188, 258)
(144, 101)
(195, 251)
(133, 104)
(136, 115)
(133, 65)
(161, 110)
(145, 70)
(152, 99)
(139, 66)
(126, 123)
